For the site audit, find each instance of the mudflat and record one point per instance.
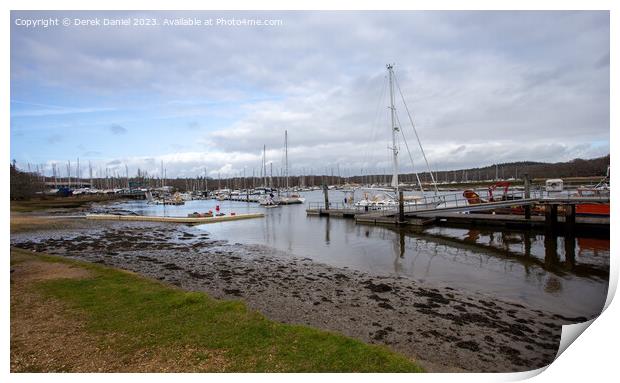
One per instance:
(442, 328)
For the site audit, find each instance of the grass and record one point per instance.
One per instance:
(131, 314)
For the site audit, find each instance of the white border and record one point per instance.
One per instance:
(592, 357)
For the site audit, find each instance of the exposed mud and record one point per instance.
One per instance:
(448, 328)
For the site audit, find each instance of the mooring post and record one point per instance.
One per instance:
(551, 216)
(569, 216)
(526, 195)
(326, 196)
(551, 248)
(569, 236)
(401, 207)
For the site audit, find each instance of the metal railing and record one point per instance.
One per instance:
(433, 202)
(456, 202)
(334, 206)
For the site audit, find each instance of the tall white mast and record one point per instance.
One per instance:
(394, 131)
(286, 157)
(265, 165)
(55, 175)
(206, 186)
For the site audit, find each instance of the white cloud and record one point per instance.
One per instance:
(483, 86)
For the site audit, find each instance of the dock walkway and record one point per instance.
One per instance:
(482, 219)
(460, 212)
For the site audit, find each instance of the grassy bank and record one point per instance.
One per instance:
(129, 316)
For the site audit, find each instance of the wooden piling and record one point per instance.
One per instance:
(401, 207)
(526, 195)
(551, 216)
(326, 196)
(569, 214)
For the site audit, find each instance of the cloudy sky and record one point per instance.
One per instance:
(483, 87)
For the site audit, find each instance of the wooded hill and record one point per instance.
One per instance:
(596, 167)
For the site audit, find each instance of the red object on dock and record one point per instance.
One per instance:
(472, 197)
(593, 209)
(501, 184)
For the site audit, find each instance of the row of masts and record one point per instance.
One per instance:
(267, 176)
(264, 165)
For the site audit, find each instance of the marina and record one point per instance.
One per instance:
(308, 191)
(436, 254)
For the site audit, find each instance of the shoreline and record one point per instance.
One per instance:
(75, 316)
(443, 329)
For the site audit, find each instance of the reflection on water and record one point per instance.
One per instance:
(565, 274)
(569, 272)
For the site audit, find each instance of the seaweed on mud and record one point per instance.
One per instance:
(433, 296)
(235, 292)
(377, 288)
(468, 345)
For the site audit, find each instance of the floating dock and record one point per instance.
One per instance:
(243, 198)
(508, 220)
(190, 220)
(462, 213)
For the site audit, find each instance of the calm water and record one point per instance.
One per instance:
(565, 276)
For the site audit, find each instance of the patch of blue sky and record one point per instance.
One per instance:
(135, 124)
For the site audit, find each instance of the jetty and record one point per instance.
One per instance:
(243, 198)
(188, 220)
(451, 209)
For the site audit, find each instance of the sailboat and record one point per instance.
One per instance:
(388, 197)
(268, 200)
(288, 199)
(175, 199)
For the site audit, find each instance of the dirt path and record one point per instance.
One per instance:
(47, 336)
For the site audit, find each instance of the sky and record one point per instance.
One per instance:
(481, 88)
